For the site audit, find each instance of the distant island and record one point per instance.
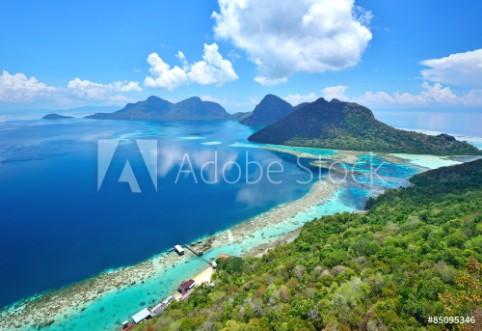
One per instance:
(320, 124)
(269, 110)
(55, 116)
(350, 126)
(157, 109)
(240, 116)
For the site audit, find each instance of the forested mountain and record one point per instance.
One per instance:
(269, 110)
(157, 109)
(350, 126)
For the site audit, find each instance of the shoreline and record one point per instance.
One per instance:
(205, 275)
(333, 155)
(60, 306)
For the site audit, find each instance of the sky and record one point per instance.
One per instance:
(389, 54)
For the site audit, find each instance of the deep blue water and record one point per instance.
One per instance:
(56, 228)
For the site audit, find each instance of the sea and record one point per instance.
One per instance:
(69, 212)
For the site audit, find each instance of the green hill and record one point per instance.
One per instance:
(350, 126)
(415, 253)
(157, 109)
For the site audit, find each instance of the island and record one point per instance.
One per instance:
(350, 126)
(157, 109)
(55, 116)
(240, 116)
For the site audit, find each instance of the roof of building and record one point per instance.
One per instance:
(168, 299)
(179, 248)
(142, 315)
(185, 285)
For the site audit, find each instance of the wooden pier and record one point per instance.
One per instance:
(193, 250)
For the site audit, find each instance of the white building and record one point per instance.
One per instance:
(179, 250)
(142, 315)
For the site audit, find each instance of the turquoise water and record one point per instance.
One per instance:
(307, 150)
(112, 309)
(70, 231)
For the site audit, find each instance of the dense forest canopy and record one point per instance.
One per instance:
(415, 253)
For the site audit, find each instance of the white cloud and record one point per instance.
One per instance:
(283, 37)
(429, 95)
(233, 55)
(125, 86)
(270, 81)
(377, 98)
(85, 89)
(473, 98)
(296, 99)
(435, 94)
(331, 92)
(163, 75)
(335, 92)
(210, 98)
(460, 69)
(180, 55)
(19, 88)
(212, 69)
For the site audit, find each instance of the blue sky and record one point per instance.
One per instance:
(68, 54)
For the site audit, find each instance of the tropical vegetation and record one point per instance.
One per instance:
(414, 254)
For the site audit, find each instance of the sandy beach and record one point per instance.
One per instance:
(204, 276)
(200, 278)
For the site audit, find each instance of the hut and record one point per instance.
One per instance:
(144, 314)
(179, 250)
(186, 286)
